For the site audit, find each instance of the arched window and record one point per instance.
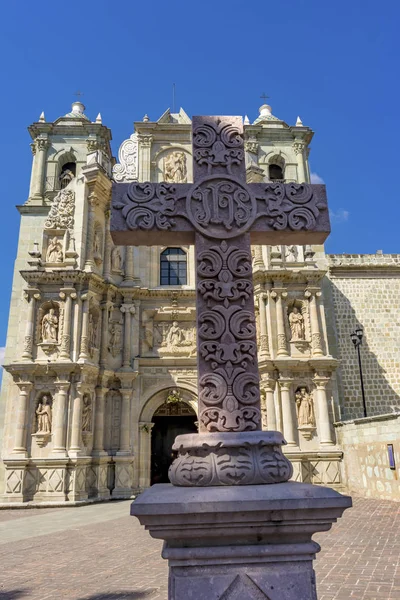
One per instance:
(275, 173)
(173, 267)
(68, 172)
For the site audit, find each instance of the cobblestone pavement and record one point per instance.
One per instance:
(98, 552)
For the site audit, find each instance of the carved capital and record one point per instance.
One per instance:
(93, 200)
(145, 140)
(128, 308)
(299, 147)
(41, 144)
(321, 380)
(24, 387)
(278, 293)
(251, 146)
(62, 386)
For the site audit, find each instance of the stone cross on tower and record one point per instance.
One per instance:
(222, 215)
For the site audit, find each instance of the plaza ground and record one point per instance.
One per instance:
(99, 552)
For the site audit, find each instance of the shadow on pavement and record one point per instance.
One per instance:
(131, 595)
(13, 594)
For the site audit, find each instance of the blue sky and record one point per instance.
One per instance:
(336, 64)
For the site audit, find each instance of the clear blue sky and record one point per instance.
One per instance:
(334, 63)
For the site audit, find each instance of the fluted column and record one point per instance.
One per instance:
(268, 385)
(279, 295)
(21, 414)
(324, 429)
(76, 424)
(145, 142)
(264, 346)
(31, 298)
(84, 349)
(316, 337)
(40, 162)
(107, 248)
(128, 310)
(129, 275)
(299, 148)
(105, 308)
(92, 203)
(98, 442)
(125, 442)
(258, 258)
(289, 423)
(66, 294)
(60, 418)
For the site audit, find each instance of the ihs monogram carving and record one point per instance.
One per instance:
(61, 215)
(127, 169)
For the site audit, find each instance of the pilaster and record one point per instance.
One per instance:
(279, 294)
(31, 296)
(20, 445)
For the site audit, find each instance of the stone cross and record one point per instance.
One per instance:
(222, 216)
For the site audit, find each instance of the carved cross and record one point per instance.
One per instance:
(222, 215)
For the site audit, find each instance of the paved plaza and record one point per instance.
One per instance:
(98, 552)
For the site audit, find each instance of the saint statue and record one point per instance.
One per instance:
(87, 413)
(305, 408)
(291, 253)
(116, 259)
(92, 334)
(175, 168)
(296, 321)
(175, 335)
(97, 244)
(54, 252)
(50, 326)
(43, 416)
(115, 338)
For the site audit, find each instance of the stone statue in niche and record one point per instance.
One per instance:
(291, 253)
(50, 327)
(54, 252)
(305, 408)
(175, 167)
(115, 338)
(92, 334)
(175, 335)
(87, 413)
(296, 321)
(116, 259)
(43, 416)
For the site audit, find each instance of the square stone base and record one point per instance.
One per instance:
(240, 542)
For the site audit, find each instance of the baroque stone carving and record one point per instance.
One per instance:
(114, 338)
(87, 414)
(49, 327)
(127, 169)
(43, 417)
(291, 253)
(305, 407)
(296, 322)
(61, 215)
(54, 252)
(177, 339)
(116, 259)
(93, 334)
(229, 459)
(175, 167)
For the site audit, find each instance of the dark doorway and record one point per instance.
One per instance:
(169, 421)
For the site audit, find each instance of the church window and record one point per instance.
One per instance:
(68, 172)
(275, 173)
(173, 267)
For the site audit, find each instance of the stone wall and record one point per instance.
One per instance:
(365, 290)
(366, 463)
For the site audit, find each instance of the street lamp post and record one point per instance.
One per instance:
(356, 338)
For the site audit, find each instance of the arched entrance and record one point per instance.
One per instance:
(172, 418)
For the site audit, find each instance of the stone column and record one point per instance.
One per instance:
(269, 384)
(76, 424)
(30, 324)
(60, 419)
(258, 258)
(40, 162)
(125, 438)
(66, 294)
(128, 310)
(93, 201)
(98, 443)
(299, 148)
(279, 295)
(145, 430)
(84, 350)
(25, 388)
(107, 248)
(128, 267)
(316, 338)
(145, 142)
(324, 429)
(105, 308)
(264, 346)
(289, 423)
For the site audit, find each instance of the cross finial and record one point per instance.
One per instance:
(78, 94)
(264, 96)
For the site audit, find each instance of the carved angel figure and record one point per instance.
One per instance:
(54, 252)
(50, 326)
(175, 335)
(305, 407)
(296, 321)
(175, 168)
(116, 259)
(87, 413)
(43, 416)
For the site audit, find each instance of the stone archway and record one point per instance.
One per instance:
(164, 418)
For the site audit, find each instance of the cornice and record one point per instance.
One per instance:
(33, 209)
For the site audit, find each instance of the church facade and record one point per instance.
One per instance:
(100, 365)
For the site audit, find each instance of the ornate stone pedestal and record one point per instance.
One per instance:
(240, 542)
